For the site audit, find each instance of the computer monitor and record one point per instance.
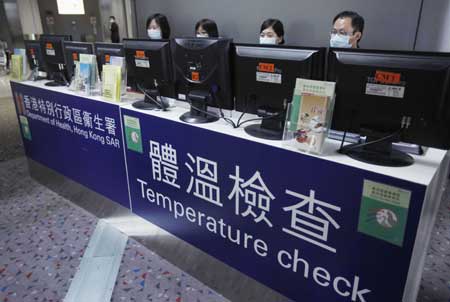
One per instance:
(72, 51)
(264, 79)
(53, 55)
(150, 63)
(34, 55)
(202, 76)
(391, 96)
(106, 50)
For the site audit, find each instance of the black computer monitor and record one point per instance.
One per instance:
(34, 55)
(202, 76)
(391, 96)
(264, 79)
(72, 51)
(53, 55)
(105, 51)
(150, 64)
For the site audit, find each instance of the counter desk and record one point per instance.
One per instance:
(313, 228)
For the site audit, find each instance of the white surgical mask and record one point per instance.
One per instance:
(340, 41)
(111, 21)
(268, 40)
(154, 34)
(202, 36)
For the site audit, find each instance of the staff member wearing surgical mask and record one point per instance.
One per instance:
(158, 27)
(272, 32)
(347, 30)
(206, 28)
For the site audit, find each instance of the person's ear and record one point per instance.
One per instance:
(357, 36)
(279, 40)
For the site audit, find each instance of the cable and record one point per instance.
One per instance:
(259, 119)
(214, 115)
(160, 105)
(353, 147)
(343, 140)
(221, 116)
(239, 124)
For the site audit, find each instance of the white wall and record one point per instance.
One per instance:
(434, 29)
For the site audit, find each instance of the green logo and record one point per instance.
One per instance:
(26, 132)
(133, 133)
(384, 212)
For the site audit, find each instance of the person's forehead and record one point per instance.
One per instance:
(343, 23)
(268, 30)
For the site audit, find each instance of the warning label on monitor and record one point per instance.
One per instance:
(50, 52)
(385, 90)
(143, 63)
(268, 77)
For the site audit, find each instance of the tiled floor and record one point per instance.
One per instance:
(43, 236)
(144, 276)
(435, 285)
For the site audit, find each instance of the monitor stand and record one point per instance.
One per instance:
(148, 104)
(257, 130)
(199, 106)
(381, 153)
(270, 128)
(58, 80)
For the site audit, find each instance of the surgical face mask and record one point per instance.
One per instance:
(340, 41)
(111, 21)
(154, 34)
(202, 35)
(268, 40)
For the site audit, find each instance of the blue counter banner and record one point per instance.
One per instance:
(288, 220)
(75, 136)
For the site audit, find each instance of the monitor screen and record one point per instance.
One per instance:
(72, 51)
(53, 54)
(264, 80)
(202, 69)
(106, 50)
(382, 93)
(149, 62)
(34, 54)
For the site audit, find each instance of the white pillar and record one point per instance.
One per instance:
(30, 19)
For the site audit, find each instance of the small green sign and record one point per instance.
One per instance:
(384, 212)
(26, 132)
(133, 133)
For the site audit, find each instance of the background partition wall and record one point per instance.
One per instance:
(390, 24)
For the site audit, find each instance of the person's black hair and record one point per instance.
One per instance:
(209, 26)
(162, 22)
(357, 20)
(277, 26)
(112, 17)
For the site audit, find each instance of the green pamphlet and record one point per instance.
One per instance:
(133, 133)
(25, 127)
(384, 212)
